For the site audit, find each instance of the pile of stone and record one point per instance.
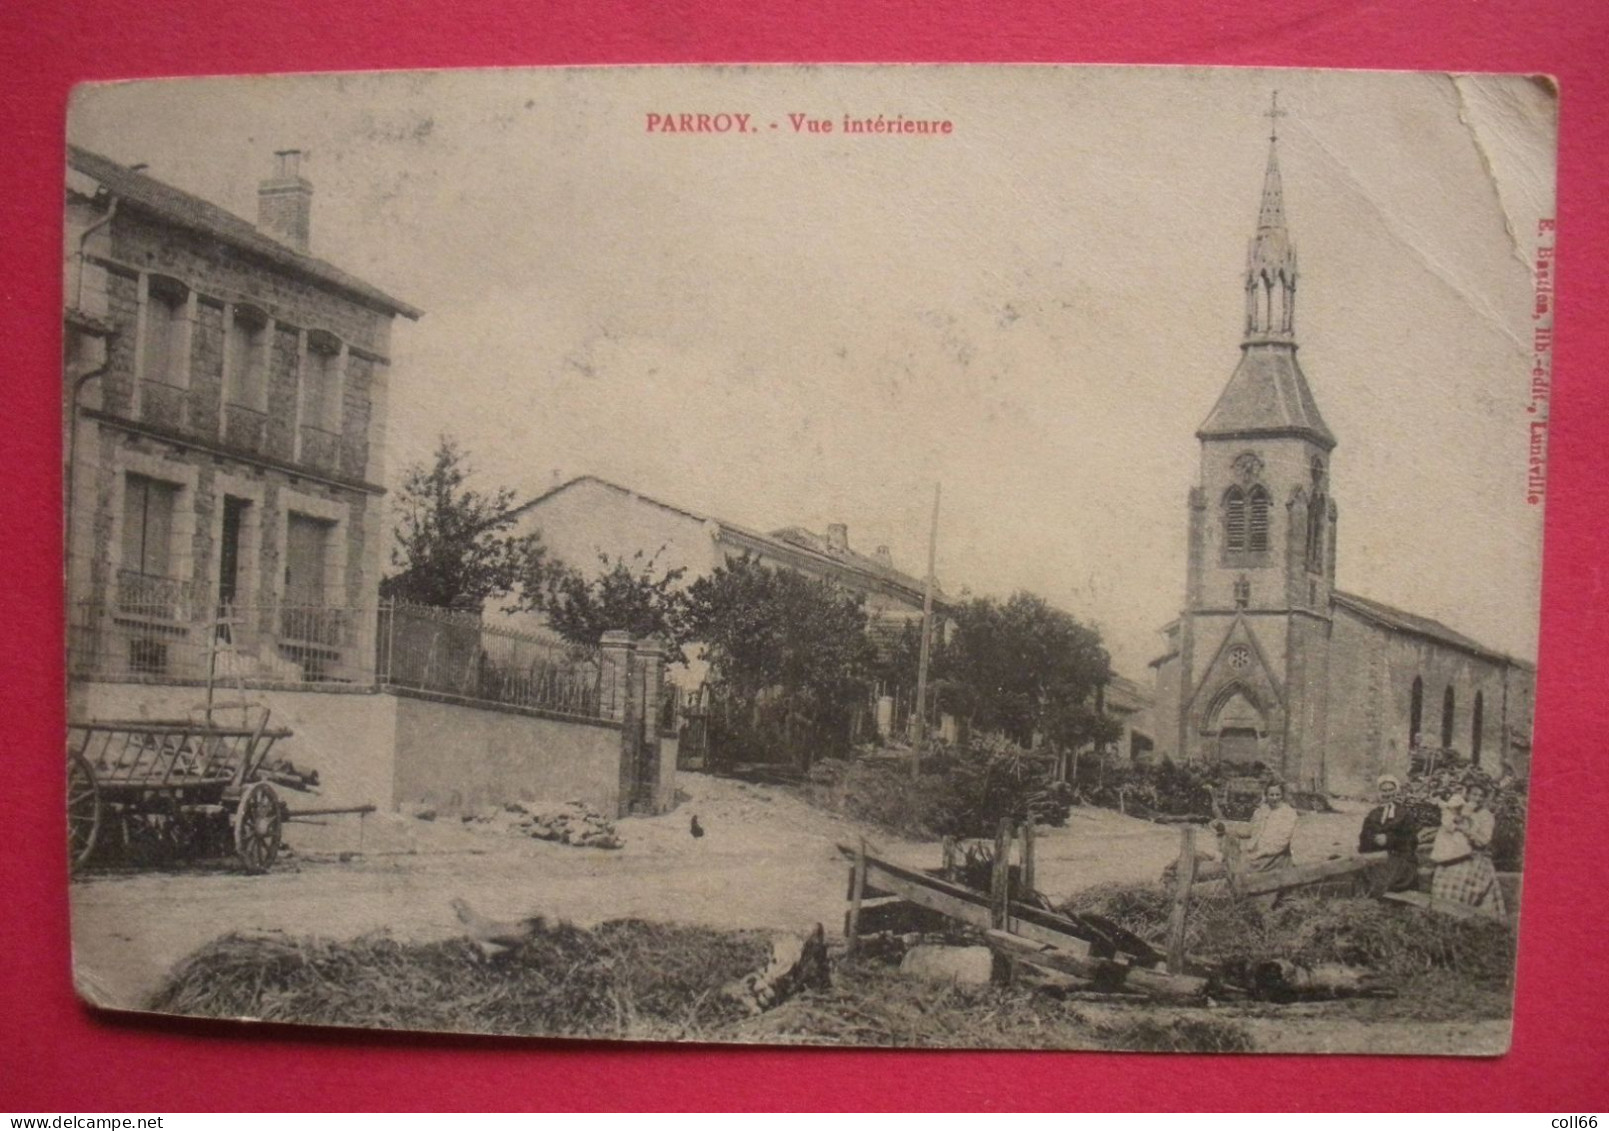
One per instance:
(570, 823)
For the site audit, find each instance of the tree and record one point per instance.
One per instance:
(1028, 669)
(786, 644)
(622, 595)
(454, 547)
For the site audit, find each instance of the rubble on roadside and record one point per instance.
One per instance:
(572, 822)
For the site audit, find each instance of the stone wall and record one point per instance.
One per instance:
(392, 749)
(456, 757)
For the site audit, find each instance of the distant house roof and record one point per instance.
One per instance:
(1267, 396)
(791, 542)
(184, 210)
(1403, 621)
(1127, 695)
(799, 536)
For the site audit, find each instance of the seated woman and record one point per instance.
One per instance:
(1390, 828)
(1463, 854)
(1267, 836)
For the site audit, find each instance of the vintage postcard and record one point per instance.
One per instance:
(966, 556)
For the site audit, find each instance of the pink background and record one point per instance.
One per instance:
(60, 1057)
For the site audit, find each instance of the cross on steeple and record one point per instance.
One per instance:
(1274, 114)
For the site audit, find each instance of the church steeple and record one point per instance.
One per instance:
(1271, 258)
(1268, 396)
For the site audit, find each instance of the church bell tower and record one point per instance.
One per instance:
(1254, 633)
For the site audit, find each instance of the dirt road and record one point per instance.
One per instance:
(766, 860)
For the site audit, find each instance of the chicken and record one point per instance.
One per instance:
(492, 936)
(695, 828)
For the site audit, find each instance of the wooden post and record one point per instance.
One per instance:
(857, 892)
(1000, 877)
(1027, 859)
(949, 857)
(1230, 844)
(1185, 876)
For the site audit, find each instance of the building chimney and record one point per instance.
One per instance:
(285, 201)
(884, 557)
(838, 537)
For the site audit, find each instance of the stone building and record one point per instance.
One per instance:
(1268, 662)
(225, 400)
(587, 516)
(225, 397)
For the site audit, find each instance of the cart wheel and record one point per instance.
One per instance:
(257, 827)
(83, 810)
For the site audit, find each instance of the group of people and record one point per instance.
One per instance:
(1461, 850)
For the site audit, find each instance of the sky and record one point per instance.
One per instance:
(1035, 310)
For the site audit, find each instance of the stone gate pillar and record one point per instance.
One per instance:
(614, 656)
(657, 781)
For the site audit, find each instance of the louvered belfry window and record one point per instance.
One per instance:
(1257, 527)
(1235, 520)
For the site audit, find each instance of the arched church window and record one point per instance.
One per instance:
(1315, 534)
(1257, 520)
(1475, 726)
(1235, 520)
(1447, 717)
(1416, 710)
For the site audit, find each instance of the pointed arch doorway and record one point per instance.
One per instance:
(1240, 725)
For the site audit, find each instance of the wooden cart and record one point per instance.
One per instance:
(189, 788)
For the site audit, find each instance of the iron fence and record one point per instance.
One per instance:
(158, 629)
(456, 654)
(155, 598)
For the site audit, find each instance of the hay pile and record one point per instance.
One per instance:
(645, 981)
(1396, 942)
(573, 822)
(871, 1003)
(626, 978)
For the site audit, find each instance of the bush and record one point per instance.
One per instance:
(1167, 788)
(962, 790)
(1164, 788)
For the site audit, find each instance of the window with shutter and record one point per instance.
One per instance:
(1257, 526)
(320, 382)
(248, 348)
(1235, 520)
(148, 507)
(307, 546)
(164, 337)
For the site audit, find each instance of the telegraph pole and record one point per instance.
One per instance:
(927, 640)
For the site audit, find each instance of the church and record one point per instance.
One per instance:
(1268, 661)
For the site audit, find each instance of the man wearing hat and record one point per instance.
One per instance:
(1389, 827)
